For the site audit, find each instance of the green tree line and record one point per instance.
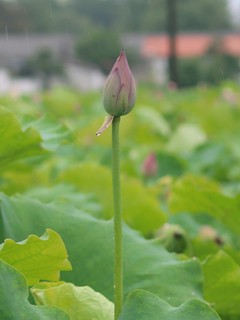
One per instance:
(80, 16)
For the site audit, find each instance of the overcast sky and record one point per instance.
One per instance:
(235, 9)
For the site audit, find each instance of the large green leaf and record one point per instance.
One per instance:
(61, 102)
(80, 303)
(216, 160)
(154, 119)
(16, 143)
(31, 138)
(186, 138)
(169, 165)
(66, 195)
(52, 132)
(222, 283)
(37, 258)
(140, 208)
(143, 305)
(89, 243)
(14, 304)
(198, 195)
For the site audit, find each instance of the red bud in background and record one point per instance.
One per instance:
(150, 165)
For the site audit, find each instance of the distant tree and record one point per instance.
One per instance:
(150, 16)
(212, 68)
(140, 15)
(101, 47)
(39, 14)
(42, 64)
(45, 62)
(204, 15)
(105, 13)
(125, 15)
(190, 73)
(217, 65)
(12, 18)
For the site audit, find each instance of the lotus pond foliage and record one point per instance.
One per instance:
(180, 180)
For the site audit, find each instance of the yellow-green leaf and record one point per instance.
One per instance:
(37, 258)
(16, 143)
(222, 283)
(80, 303)
(199, 195)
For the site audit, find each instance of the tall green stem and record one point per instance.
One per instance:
(118, 251)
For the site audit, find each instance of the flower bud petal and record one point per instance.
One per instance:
(120, 90)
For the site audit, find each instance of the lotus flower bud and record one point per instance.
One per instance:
(173, 238)
(208, 233)
(120, 90)
(150, 166)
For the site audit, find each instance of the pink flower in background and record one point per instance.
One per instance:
(150, 165)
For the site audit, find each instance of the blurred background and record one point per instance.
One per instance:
(75, 42)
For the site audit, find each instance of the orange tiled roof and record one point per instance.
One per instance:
(189, 45)
(231, 44)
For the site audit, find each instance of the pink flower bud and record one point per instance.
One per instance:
(120, 90)
(150, 165)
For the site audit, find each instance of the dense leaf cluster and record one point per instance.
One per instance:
(180, 193)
